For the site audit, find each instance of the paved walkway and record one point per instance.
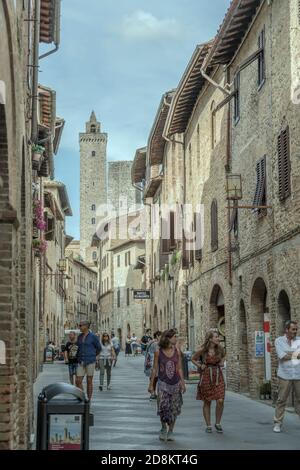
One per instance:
(126, 420)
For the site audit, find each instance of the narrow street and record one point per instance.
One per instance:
(124, 418)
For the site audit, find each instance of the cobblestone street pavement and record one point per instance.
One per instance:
(125, 419)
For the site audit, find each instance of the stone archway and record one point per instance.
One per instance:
(160, 326)
(192, 340)
(259, 307)
(243, 350)
(284, 311)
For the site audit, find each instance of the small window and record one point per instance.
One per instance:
(118, 261)
(93, 153)
(94, 255)
(119, 298)
(237, 82)
(261, 59)
(93, 129)
(93, 221)
(129, 263)
(90, 284)
(93, 207)
(125, 259)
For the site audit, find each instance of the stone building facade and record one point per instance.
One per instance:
(81, 293)
(57, 207)
(235, 112)
(93, 184)
(122, 196)
(22, 103)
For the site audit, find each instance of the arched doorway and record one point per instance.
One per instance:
(155, 319)
(284, 311)
(192, 328)
(259, 308)
(217, 312)
(243, 350)
(160, 326)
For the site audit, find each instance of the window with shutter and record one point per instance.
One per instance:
(197, 251)
(261, 59)
(233, 227)
(128, 296)
(185, 254)
(119, 298)
(260, 192)
(214, 225)
(284, 164)
(172, 231)
(50, 229)
(237, 81)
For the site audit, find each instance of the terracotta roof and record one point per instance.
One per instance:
(49, 21)
(138, 169)
(187, 92)
(47, 107)
(156, 142)
(231, 32)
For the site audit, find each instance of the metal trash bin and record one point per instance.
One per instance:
(63, 422)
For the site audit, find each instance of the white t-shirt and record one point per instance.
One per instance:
(288, 370)
(106, 351)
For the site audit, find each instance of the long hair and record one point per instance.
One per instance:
(219, 350)
(164, 341)
(102, 338)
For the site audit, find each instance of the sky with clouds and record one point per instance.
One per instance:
(118, 58)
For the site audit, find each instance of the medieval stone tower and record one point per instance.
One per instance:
(93, 185)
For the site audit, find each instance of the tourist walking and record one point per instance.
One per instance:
(88, 349)
(145, 340)
(117, 348)
(151, 349)
(70, 353)
(170, 385)
(134, 344)
(128, 349)
(210, 360)
(106, 358)
(288, 352)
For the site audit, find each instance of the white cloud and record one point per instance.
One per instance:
(143, 25)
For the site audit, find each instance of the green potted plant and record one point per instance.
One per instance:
(37, 152)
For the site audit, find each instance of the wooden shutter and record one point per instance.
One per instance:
(260, 192)
(261, 58)
(214, 225)
(234, 221)
(172, 244)
(50, 229)
(185, 257)
(164, 242)
(284, 165)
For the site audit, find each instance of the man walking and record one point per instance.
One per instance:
(288, 352)
(70, 354)
(88, 349)
(145, 340)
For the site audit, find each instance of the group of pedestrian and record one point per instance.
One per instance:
(163, 365)
(131, 345)
(88, 353)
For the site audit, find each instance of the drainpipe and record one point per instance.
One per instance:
(227, 170)
(34, 126)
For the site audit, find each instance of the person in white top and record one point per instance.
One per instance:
(288, 352)
(106, 358)
(134, 344)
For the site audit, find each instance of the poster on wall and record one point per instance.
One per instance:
(259, 344)
(65, 432)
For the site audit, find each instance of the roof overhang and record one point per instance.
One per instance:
(68, 240)
(156, 141)
(59, 127)
(138, 169)
(187, 93)
(63, 195)
(50, 21)
(230, 35)
(140, 263)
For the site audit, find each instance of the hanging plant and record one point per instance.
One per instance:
(37, 152)
(38, 214)
(40, 246)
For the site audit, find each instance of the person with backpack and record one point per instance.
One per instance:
(210, 361)
(151, 348)
(70, 353)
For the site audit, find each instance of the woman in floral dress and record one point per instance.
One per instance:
(167, 367)
(210, 360)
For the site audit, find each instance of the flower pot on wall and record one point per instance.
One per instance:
(36, 160)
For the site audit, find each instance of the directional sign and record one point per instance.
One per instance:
(142, 294)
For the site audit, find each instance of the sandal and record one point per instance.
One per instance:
(219, 428)
(208, 429)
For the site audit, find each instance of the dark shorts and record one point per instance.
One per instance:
(72, 369)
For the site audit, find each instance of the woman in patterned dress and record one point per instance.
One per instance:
(170, 386)
(210, 360)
